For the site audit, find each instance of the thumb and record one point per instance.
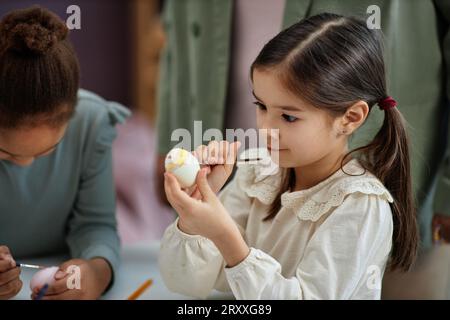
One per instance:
(62, 272)
(203, 185)
(66, 264)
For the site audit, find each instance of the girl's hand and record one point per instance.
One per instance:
(10, 283)
(95, 276)
(218, 158)
(205, 216)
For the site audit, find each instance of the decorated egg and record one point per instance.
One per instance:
(183, 165)
(42, 277)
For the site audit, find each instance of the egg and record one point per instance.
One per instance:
(42, 277)
(183, 165)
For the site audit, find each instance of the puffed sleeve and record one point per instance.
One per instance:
(192, 265)
(92, 225)
(338, 261)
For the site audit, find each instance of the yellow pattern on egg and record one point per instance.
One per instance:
(178, 162)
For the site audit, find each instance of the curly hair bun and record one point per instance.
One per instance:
(31, 31)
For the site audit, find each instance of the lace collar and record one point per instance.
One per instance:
(312, 203)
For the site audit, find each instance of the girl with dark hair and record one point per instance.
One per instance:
(56, 185)
(330, 221)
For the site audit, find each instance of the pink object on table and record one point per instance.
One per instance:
(43, 277)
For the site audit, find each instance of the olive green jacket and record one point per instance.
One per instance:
(195, 64)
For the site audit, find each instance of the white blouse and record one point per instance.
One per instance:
(331, 241)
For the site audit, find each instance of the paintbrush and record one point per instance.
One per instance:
(30, 266)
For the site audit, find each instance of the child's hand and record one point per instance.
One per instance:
(206, 217)
(10, 283)
(219, 159)
(95, 276)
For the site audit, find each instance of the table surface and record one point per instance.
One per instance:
(139, 263)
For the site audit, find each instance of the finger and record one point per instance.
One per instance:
(170, 185)
(223, 150)
(178, 198)
(203, 186)
(10, 289)
(196, 195)
(57, 287)
(192, 190)
(232, 155)
(177, 194)
(9, 276)
(61, 274)
(168, 190)
(63, 267)
(198, 153)
(201, 153)
(6, 263)
(205, 155)
(213, 151)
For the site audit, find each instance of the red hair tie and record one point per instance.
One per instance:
(387, 103)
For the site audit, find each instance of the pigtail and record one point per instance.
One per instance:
(387, 157)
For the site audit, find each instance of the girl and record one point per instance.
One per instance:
(56, 182)
(330, 221)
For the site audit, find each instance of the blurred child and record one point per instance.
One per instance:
(56, 185)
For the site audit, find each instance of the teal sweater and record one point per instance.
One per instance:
(65, 202)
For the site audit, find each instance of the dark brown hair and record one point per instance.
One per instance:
(39, 72)
(332, 62)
